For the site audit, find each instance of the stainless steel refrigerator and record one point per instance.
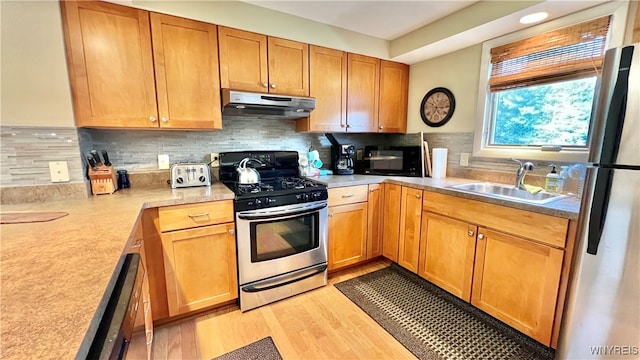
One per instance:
(602, 312)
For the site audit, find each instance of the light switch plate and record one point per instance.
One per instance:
(163, 161)
(59, 171)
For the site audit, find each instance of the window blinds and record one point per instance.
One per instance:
(571, 52)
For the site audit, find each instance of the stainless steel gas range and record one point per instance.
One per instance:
(281, 227)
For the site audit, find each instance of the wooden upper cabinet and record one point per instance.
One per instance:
(187, 81)
(288, 67)
(245, 65)
(243, 60)
(110, 64)
(328, 85)
(363, 92)
(394, 97)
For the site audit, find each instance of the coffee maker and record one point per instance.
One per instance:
(342, 156)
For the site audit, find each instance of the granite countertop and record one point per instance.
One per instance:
(55, 273)
(567, 208)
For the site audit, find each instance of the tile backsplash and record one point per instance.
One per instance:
(25, 153)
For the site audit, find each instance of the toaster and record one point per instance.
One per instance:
(190, 174)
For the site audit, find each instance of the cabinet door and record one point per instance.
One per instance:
(110, 64)
(394, 95)
(288, 67)
(363, 91)
(410, 214)
(243, 60)
(516, 281)
(391, 221)
(347, 235)
(447, 251)
(200, 267)
(375, 227)
(328, 85)
(187, 81)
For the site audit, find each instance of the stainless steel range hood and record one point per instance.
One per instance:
(266, 106)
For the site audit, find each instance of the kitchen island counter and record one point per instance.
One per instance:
(55, 273)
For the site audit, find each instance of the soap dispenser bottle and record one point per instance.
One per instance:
(563, 180)
(551, 182)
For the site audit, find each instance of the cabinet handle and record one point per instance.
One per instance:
(343, 125)
(480, 236)
(149, 334)
(347, 195)
(152, 118)
(232, 231)
(418, 196)
(380, 127)
(199, 215)
(273, 86)
(372, 190)
(330, 214)
(137, 244)
(470, 233)
(164, 119)
(348, 126)
(265, 84)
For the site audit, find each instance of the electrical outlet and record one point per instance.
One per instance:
(215, 160)
(163, 161)
(59, 171)
(464, 159)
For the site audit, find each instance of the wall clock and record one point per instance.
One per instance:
(437, 107)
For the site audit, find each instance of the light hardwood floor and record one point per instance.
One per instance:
(319, 324)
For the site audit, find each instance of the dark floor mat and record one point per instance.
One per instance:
(263, 349)
(434, 324)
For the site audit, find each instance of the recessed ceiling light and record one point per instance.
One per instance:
(534, 18)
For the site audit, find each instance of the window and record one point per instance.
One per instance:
(537, 90)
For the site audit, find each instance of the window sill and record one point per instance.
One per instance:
(531, 154)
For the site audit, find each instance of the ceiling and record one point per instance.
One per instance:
(382, 19)
(422, 29)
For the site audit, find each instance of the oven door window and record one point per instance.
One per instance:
(280, 238)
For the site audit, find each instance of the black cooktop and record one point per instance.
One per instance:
(281, 183)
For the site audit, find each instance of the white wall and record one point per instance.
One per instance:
(459, 72)
(35, 86)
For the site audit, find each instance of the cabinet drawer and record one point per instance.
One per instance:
(195, 215)
(348, 195)
(546, 229)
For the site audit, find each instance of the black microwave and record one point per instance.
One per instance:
(391, 160)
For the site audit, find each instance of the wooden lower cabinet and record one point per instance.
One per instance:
(391, 221)
(374, 220)
(409, 241)
(347, 235)
(447, 252)
(516, 281)
(200, 267)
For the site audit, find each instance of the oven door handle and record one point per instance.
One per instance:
(285, 279)
(267, 214)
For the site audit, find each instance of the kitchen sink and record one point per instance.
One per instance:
(501, 191)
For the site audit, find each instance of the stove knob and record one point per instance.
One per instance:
(179, 180)
(306, 197)
(202, 178)
(271, 201)
(258, 202)
(315, 195)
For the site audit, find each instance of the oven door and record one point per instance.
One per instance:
(278, 240)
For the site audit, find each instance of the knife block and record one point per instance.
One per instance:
(103, 180)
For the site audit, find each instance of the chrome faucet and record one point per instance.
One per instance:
(522, 171)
